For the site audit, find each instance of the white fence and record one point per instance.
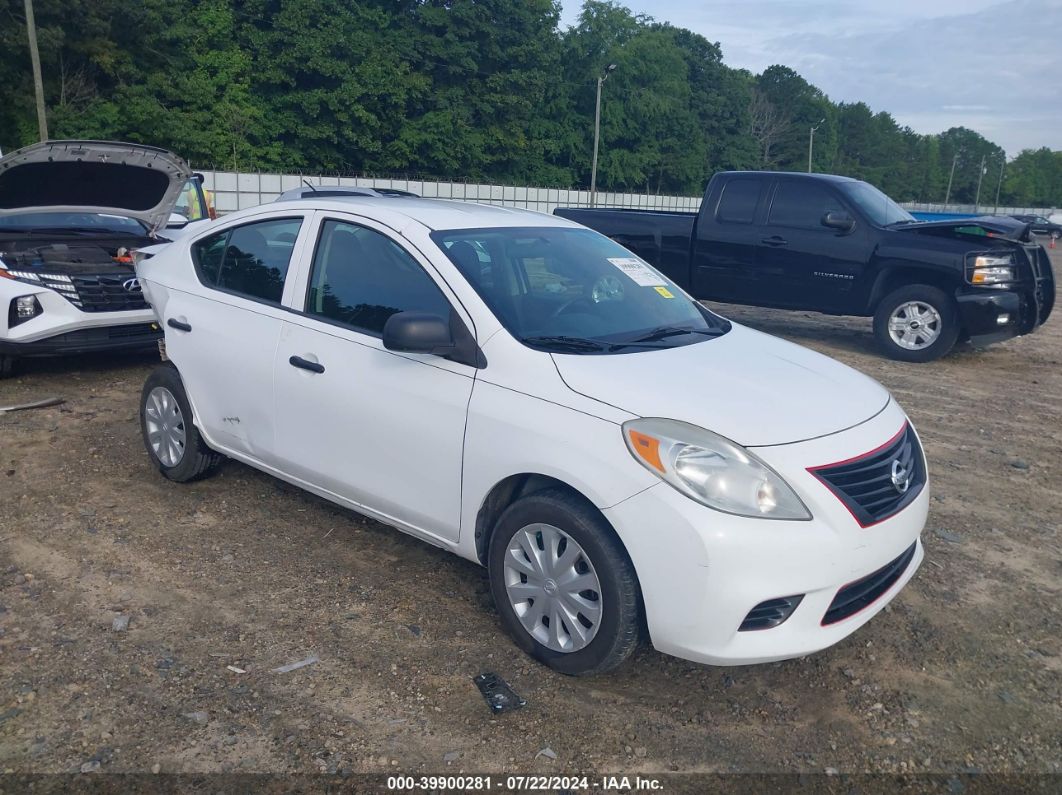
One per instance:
(235, 191)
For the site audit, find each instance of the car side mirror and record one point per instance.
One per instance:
(839, 220)
(418, 332)
(176, 221)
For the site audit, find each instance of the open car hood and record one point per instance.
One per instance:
(992, 226)
(133, 180)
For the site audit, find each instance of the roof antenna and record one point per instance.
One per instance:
(308, 185)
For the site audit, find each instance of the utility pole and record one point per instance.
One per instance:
(597, 134)
(811, 141)
(35, 60)
(980, 176)
(1002, 162)
(947, 196)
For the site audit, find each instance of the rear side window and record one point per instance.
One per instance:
(738, 203)
(250, 260)
(802, 205)
(361, 277)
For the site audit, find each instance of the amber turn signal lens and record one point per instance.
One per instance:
(647, 448)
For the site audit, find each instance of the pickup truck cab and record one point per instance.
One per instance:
(71, 215)
(526, 393)
(840, 246)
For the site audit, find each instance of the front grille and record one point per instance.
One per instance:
(102, 292)
(770, 614)
(862, 593)
(107, 293)
(871, 486)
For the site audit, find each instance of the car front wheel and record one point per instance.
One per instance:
(917, 323)
(172, 441)
(564, 587)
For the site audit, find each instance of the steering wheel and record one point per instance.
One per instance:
(560, 310)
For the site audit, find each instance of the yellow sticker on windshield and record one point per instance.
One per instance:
(664, 292)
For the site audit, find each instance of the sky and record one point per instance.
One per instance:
(994, 66)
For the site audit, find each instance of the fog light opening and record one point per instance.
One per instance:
(1003, 318)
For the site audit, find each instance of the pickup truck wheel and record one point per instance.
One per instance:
(170, 437)
(917, 323)
(563, 585)
(7, 366)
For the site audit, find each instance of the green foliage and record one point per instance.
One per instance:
(475, 89)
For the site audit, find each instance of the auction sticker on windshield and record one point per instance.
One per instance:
(640, 272)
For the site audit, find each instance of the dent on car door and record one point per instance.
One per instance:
(381, 429)
(223, 335)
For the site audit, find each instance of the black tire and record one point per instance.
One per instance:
(619, 629)
(942, 304)
(7, 366)
(197, 460)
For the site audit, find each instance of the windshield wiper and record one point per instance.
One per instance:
(663, 332)
(571, 343)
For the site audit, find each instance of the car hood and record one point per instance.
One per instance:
(993, 226)
(752, 388)
(136, 181)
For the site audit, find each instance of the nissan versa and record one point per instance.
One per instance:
(523, 391)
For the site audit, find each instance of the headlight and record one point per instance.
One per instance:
(711, 470)
(992, 269)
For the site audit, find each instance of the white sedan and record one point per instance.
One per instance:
(528, 394)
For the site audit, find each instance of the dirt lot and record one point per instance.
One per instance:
(244, 572)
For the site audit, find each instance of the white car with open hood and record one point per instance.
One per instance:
(526, 393)
(71, 213)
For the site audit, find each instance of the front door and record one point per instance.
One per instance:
(801, 263)
(381, 429)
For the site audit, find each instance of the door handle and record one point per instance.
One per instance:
(177, 324)
(306, 364)
(775, 240)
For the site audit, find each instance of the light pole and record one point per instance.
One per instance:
(951, 176)
(597, 133)
(999, 185)
(980, 177)
(35, 62)
(811, 140)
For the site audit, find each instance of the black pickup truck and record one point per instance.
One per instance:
(840, 246)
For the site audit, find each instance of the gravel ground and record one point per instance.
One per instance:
(224, 580)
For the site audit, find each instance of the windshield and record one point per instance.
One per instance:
(881, 210)
(575, 291)
(101, 222)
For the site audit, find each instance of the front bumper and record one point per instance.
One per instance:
(62, 329)
(702, 571)
(129, 337)
(1026, 304)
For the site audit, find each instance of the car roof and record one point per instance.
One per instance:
(791, 174)
(435, 214)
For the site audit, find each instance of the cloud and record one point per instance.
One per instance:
(991, 65)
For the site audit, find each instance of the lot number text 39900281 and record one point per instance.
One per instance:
(518, 783)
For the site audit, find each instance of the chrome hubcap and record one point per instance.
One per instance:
(915, 325)
(552, 587)
(165, 426)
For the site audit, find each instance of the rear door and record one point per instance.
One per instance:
(223, 337)
(381, 429)
(801, 263)
(725, 248)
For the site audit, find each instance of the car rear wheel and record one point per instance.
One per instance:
(917, 323)
(170, 437)
(563, 584)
